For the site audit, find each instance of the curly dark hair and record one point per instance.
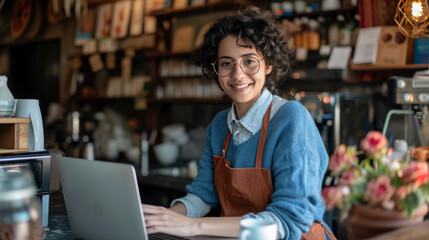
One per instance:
(254, 27)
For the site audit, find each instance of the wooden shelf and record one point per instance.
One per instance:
(222, 5)
(106, 99)
(315, 14)
(155, 54)
(190, 100)
(372, 67)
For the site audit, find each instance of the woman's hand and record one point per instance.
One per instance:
(160, 219)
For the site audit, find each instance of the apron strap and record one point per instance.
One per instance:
(226, 143)
(261, 143)
(329, 233)
(258, 163)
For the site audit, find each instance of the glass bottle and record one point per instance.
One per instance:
(20, 208)
(323, 30)
(313, 35)
(334, 31)
(305, 31)
(346, 31)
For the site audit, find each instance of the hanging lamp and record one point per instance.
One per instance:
(412, 18)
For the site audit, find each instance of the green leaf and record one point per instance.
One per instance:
(383, 169)
(359, 187)
(424, 190)
(412, 201)
(368, 167)
(396, 181)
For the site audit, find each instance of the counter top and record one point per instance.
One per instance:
(416, 232)
(58, 224)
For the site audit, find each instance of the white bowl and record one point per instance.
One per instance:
(166, 152)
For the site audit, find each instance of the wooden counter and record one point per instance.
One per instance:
(417, 232)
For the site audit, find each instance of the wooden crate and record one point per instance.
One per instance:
(13, 135)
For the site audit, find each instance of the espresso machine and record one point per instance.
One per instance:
(410, 119)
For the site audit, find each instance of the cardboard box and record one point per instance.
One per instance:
(421, 51)
(393, 47)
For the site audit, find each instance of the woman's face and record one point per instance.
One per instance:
(244, 89)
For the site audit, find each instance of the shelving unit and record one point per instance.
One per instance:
(371, 67)
(315, 14)
(216, 6)
(13, 135)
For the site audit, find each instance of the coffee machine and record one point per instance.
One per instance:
(410, 119)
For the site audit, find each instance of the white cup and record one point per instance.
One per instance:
(29, 108)
(257, 229)
(300, 6)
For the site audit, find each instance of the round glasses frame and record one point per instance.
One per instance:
(240, 64)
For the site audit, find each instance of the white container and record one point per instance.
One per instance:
(166, 153)
(7, 102)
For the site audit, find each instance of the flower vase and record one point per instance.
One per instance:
(365, 222)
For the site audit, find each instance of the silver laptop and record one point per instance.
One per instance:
(102, 199)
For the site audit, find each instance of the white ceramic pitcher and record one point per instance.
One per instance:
(29, 108)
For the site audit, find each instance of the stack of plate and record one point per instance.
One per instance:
(7, 108)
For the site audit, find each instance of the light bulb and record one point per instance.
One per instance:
(417, 10)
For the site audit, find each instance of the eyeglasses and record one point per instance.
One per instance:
(224, 66)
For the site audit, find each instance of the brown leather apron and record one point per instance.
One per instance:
(245, 190)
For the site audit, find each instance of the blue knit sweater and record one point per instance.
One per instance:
(295, 155)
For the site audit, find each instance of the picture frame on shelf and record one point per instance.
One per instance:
(104, 20)
(121, 19)
(137, 15)
(85, 28)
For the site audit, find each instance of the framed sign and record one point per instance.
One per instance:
(121, 19)
(85, 28)
(104, 20)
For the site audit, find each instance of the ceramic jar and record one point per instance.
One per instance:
(7, 102)
(5, 94)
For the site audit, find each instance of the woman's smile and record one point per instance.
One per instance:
(241, 87)
(244, 89)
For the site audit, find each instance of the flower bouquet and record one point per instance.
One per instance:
(370, 177)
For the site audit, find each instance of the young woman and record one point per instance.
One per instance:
(264, 157)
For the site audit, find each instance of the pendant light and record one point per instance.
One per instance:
(412, 18)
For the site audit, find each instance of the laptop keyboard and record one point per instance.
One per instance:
(163, 236)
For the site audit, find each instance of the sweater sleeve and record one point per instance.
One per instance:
(195, 207)
(203, 184)
(299, 162)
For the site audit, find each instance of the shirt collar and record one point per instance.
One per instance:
(252, 120)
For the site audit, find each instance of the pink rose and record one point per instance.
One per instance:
(348, 177)
(415, 173)
(378, 191)
(374, 142)
(340, 159)
(332, 196)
